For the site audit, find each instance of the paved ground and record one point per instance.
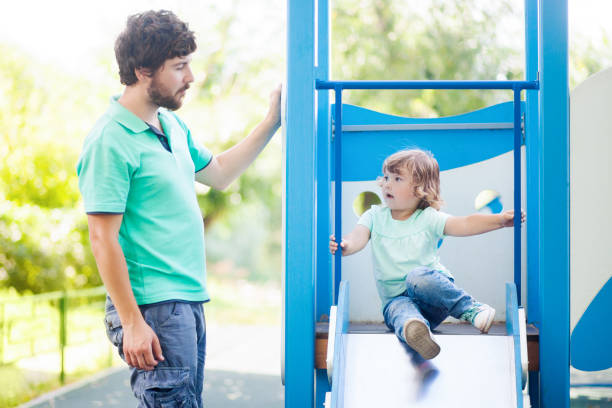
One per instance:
(242, 370)
(222, 389)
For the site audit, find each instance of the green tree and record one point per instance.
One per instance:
(436, 40)
(43, 234)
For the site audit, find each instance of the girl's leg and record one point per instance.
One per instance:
(398, 311)
(404, 317)
(436, 295)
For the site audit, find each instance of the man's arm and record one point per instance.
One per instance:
(227, 166)
(479, 223)
(140, 344)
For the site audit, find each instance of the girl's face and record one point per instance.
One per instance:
(398, 191)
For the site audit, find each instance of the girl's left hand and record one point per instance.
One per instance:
(508, 218)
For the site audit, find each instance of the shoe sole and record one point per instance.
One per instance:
(489, 322)
(420, 339)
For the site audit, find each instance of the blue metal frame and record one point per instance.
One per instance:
(320, 84)
(518, 135)
(554, 204)
(322, 158)
(547, 149)
(455, 141)
(532, 148)
(324, 280)
(338, 186)
(513, 329)
(299, 319)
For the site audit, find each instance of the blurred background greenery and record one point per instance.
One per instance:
(57, 73)
(46, 111)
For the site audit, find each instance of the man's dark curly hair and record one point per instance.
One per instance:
(149, 39)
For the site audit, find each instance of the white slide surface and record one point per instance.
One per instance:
(473, 371)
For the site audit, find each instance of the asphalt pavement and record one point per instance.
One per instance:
(242, 370)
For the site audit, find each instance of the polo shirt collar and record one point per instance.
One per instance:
(122, 115)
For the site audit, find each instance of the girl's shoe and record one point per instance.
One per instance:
(420, 339)
(480, 316)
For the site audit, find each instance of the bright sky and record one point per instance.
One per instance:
(75, 34)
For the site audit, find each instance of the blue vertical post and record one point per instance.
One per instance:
(532, 150)
(532, 180)
(517, 192)
(338, 189)
(324, 294)
(299, 208)
(324, 285)
(554, 205)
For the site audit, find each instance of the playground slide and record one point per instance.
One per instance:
(374, 369)
(474, 371)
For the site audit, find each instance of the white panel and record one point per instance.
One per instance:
(474, 371)
(590, 190)
(358, 268)
(481, 264)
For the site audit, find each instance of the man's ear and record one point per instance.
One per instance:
(143, 74)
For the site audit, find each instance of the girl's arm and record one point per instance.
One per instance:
(353, 242)
(479, 223)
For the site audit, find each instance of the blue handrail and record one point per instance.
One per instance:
(515, 86)
(322, 84)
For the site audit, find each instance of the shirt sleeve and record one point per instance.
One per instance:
(104, 175)
(437, 222)
(200, 155)
(366, 218)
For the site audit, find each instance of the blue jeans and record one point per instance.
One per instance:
(178, 380)
(431, 297)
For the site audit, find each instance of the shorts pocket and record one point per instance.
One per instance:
(114, 330)
(165, 387)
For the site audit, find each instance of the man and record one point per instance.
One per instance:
(136, 175)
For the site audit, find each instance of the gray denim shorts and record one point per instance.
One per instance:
(178, 380)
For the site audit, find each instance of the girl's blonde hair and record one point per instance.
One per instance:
(425, 173)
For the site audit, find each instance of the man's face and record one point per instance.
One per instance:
(170, 82)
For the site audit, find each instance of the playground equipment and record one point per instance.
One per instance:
(591, 192)
(326, 167)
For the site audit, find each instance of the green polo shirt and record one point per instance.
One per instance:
(399, 246)
(124, 169)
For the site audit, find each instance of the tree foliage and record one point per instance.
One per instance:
(434, 40)
(43, 235)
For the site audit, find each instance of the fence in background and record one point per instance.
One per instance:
(50, 322)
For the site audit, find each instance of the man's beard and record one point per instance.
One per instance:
(161, 97)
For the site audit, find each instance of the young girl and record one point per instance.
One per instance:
(416, 290)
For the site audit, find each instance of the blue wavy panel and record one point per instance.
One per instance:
(591, 341)
(364, 151)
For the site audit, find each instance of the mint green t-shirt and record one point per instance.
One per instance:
(400, 246)
(124, 169)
